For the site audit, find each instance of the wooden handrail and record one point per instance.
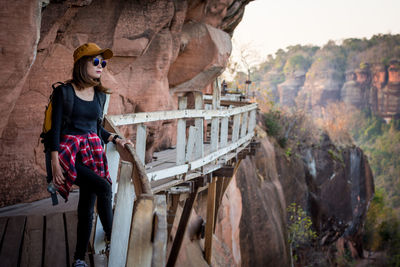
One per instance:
(141, 182)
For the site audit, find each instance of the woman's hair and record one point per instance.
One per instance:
(81, 78)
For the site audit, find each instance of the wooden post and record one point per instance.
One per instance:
(180, 232)
(140, 248)
(122, 217)
(210, 220)
(181, 134)
(218, 196)
(193, 134)
(244, 125)
(214, 134)
(224, 132)
(199, 123)
(236, 125)
(141, 142)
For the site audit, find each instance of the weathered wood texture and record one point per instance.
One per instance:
(31, 254)
(55, 243)
(140, 248)
(160, 233)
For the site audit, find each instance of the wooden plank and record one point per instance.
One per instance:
(214, 134)
(180, 232)
(193, 134)
(135, 118)
(199, 123)
(236, 125)
(243, 129)
(141, 141)
(210, 220)
(224, 132)
(12, 240)
(140, 248)
(181, 134)
(160, 232)
(71, 223)
(122, 217)
(31, 255)
(55, 253)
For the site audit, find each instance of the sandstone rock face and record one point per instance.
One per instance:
(151, 40)
(355, 90)
(390, 97)
(322, 85)
(289, 89)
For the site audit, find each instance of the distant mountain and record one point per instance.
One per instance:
(364, 73)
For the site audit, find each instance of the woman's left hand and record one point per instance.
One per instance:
(122, 142)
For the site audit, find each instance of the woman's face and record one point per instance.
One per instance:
(93, 71)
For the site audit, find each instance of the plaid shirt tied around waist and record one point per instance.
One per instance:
(92, 153)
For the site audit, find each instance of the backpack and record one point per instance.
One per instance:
(68, 104)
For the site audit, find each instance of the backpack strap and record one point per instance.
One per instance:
(68, 101)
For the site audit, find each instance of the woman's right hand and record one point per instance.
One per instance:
(58, 177)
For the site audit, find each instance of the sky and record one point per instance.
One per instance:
(268, 25)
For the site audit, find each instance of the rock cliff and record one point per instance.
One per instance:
(160, 48)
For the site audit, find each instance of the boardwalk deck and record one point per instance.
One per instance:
(40, 240)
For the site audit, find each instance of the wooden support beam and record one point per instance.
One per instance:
(140, 248)
(160, 233)
(218, 196)
(176, 245)
(226, 171)
(210, 220)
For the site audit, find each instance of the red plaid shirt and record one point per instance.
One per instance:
(92, 154)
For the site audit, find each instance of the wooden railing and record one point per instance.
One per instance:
(192, 150)
(231, 129)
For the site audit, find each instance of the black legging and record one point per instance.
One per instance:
(90, 186)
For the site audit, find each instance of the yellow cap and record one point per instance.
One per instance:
(91, 49)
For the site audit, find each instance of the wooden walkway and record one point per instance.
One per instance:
(36, 240)
(146, 195)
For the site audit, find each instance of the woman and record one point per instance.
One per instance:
(77, 155)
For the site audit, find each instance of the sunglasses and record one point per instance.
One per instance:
(96, 62)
